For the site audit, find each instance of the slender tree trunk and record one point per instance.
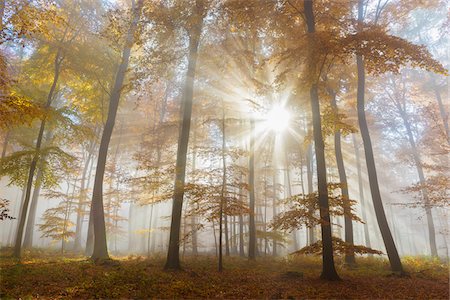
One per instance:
(90, 232)
(391, 249)
(309, 175)
(241, 225)
(28, 239)
(100, 251)
(251, 190)
(173, 255)
(289, 194)
(5, 144)
(222, 197)
(193, 217)
(274, 209)
(349, 255)
(18, 244)
(444, 114)
(361, 194)
(328, 268)
(422, 181)
(82, 198)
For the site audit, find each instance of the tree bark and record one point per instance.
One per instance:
(361, 194)
(82, 198)
(388, 240)
(422, 181)
(222, 199)
(28, 239)
(274, 209)
(328, 268)
(100, 251)
(173, 255)
(349, 255)
(18, 244)
(251, 191)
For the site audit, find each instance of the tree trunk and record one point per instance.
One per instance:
(82, 198)
(350, 255)
(274, 210)
(251, 191)
(28, 239)
(173, 255)
(391, 249)
(289, 194)
(5, 144)
(18, 244)
(328, 268)
(100, 251)
(444, 115)
(422, 181)
(223, 198)
(361, 194)
(309, 175)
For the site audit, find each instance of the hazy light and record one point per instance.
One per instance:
(278, 119)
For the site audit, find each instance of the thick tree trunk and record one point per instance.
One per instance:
(350, 255)
(251, 191)
(173, 255)
(100, 251)
(391, 249)
(18, 244)
(328, 268)
(361, 194)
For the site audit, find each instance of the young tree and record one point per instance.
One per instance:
(194, 33)
(100, 252)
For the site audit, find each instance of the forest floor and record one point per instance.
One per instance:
(43, 275)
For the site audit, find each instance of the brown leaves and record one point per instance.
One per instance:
(339, 247)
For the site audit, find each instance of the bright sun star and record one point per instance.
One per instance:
(278, 119)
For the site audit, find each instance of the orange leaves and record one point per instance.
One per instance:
(387, 53)
(339, 247)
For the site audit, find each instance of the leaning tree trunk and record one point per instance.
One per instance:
(100, 251)
(28, 239)
(328, 268)
(391, 249)
(18, 244)
(443, 113)
(173, 255)
(361, 194)
(422, 181)
(349, 255)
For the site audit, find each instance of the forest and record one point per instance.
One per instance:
(262, 149)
